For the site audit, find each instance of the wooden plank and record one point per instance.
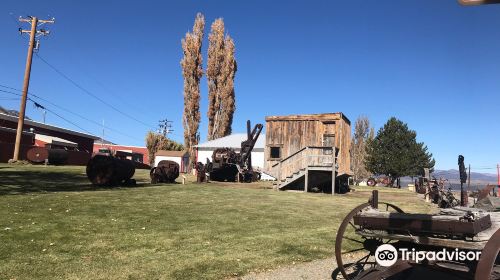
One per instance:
(424, 240)
(452, 214)
(306, 117)
(423, 224)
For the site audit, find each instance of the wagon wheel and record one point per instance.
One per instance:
(489, 263)
(363, 254)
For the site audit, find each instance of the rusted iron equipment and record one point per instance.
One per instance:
(228, 165)
(373, 224)
(463, 180)
(44, 155)
(110, 171)
(165, 172)
(489, 190)
(200, 173)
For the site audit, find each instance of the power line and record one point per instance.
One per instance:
(42, 107)
(66, 110)
(14, 93)
(90, 93)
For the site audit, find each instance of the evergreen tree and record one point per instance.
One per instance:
(395, 152)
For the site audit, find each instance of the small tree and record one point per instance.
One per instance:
(156, 142)
(395, 152)
(358, 148)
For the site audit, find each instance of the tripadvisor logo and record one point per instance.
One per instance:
(387, 255)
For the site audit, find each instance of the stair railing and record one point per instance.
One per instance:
(309, 156)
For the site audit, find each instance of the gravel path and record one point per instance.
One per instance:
(315, 270)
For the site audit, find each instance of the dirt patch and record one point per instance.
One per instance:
(317, 270)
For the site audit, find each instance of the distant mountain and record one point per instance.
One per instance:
(11, 112)
(453, 176)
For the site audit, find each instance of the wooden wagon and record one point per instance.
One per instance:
(469, 232)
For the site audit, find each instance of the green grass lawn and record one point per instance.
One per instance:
(54, 225)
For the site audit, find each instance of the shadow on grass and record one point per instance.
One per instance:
(24, 181)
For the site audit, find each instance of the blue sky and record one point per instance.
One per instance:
(433, 64)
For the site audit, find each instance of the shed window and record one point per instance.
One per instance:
(275, 153)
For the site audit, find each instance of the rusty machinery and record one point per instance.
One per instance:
(165, 172)
(200, 173)
(375, 223)
(105, 170)
(228, 165)
(43, 155)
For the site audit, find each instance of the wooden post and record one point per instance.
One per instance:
(279, 173)
(306, 183)
(333, 170)
(374, 199)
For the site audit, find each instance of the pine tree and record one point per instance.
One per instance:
(192, 72)
(395, 152)
(221, 71)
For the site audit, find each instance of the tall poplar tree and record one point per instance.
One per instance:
(221, 71)
(192, 71)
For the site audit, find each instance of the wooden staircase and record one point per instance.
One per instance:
(300, 163)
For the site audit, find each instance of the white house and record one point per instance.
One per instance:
(181, 157)
(205, 150)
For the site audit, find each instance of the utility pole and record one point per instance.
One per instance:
(468, 181)
(34, 43)
(102, 138)
(165, 127)
(498, 179)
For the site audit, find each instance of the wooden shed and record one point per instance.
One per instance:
(301, 151)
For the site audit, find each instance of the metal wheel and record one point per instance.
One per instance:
(489, 263)
(355, 253)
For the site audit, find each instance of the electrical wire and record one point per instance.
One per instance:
(90, 93)
(14, 93)
(41, 106)
(38, 105)
(66, 110)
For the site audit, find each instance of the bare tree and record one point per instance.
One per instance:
(192, 72)
(362, 134)
(221, 70)
(227, 91)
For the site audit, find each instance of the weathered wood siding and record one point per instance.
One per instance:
(292, 133)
